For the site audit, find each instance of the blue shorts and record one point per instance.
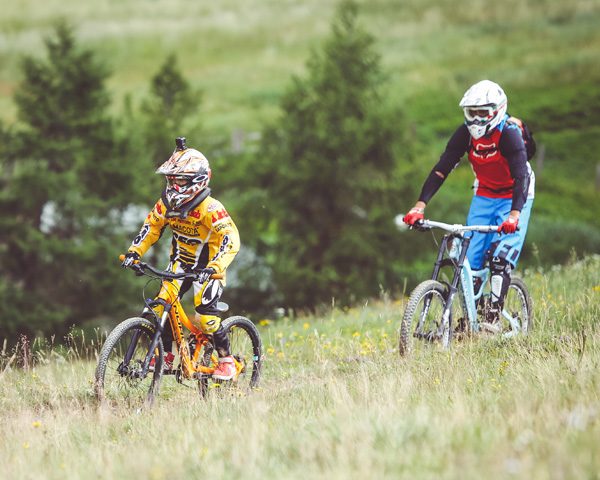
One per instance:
(493, 211)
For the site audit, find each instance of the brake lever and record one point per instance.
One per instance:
(418, 225)
(138, 269)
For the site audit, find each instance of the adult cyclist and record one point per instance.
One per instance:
(503, 187)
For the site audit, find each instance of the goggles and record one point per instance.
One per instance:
(480, 115)
(178, 182)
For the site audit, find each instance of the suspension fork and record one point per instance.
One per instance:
(434, 276)
(438, 262)
(160, 328)
(453, 288)
(133, 343)
(131, 349)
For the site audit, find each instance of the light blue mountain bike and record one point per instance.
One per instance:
(448, 305)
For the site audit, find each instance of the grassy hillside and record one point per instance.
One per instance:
(243, 53)
(337, 402)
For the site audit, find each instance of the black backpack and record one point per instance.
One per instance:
(527, 134)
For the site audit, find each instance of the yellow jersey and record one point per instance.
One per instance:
(206, 224)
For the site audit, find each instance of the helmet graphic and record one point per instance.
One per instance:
(187, 172)
(484, 105)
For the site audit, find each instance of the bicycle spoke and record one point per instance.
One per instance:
(422, 322)
(120, 376)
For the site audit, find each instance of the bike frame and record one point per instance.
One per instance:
(172, 311)
(456, 243)
(175, 314)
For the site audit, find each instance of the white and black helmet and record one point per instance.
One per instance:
(484, 105)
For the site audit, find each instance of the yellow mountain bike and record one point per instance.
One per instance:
(131, 362)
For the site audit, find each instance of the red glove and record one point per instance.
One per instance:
(413, 216)
(509, 225)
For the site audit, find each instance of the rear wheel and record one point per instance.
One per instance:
(119, 377)
(422, 324)
(246, 348)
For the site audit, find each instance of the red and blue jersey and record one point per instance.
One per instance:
(499, 161)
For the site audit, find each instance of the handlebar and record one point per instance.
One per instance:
(141, 267)
(456, 228)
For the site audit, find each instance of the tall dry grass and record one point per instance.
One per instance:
(337, 402)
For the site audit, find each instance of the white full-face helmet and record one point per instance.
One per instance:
(187, 172)
(484, 105)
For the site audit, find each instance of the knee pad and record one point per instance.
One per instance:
(500, 270)
(207, 323)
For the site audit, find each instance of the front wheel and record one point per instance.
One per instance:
(422, 324)
(517, 313)
(119, 373)
(246, 348)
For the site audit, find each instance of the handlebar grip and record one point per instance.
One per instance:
(217, 276)
(122, 258)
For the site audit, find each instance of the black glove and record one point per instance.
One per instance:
(130, 259)
(204, 274)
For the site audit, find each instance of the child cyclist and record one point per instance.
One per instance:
(205, 240)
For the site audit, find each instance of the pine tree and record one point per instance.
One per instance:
(65, 186)
(169, 110)
(330, 174)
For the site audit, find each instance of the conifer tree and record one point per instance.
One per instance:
(329, 172)
(169, 110)
(65, 185)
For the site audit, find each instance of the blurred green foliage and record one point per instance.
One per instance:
(329, 171)
(79, 161)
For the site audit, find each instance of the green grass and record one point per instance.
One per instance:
(242, 54)
(337, 402)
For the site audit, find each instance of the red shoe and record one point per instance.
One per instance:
(167, 362)
(226, 369)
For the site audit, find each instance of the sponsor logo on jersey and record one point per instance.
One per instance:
(186, 229)
(219, 216)
(140, 237)
(225, 245)
(485, 151)
(223, 226)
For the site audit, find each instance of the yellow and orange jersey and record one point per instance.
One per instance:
(207, 236)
